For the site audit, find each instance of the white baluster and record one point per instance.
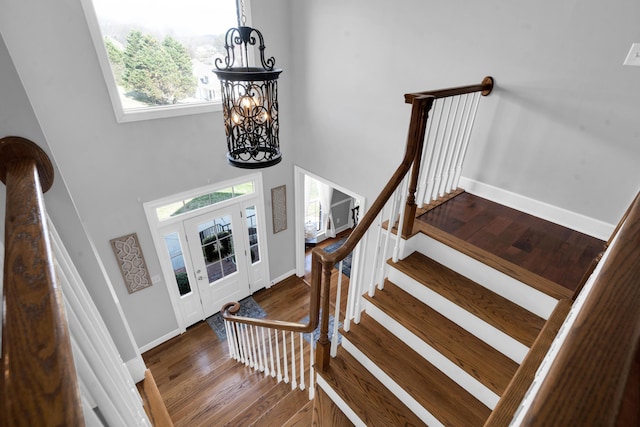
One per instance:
(302, 386)
(427, 153)
(294, 383)
(449, 153)
(279, 377)
(273, 370)
(284, 352)
(238, 338)
(264, 350)
(458, 142)
(312, 373)
(387, 238)
(376, 255)
(247, 347)
(255, 334)
(358, 255)
(442, 149)
(229, 339)
(254, 356)
(436, 120)
(405, 189)
(336, 317)
(466, 140)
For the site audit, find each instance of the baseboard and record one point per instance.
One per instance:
(282, 277)
(160, 340)
(136, 368)
(575, 221)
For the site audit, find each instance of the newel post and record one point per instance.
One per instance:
(323, 346)
(38, 381)
(417, 129)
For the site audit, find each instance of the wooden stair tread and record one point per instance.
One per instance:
(506, 408)
(474, 356)
(534, 280)
(441, 396)
(506, 316)
(365, 395)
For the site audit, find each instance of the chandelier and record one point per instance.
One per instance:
(249, 100)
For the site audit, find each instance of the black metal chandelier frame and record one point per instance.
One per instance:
(249, 101)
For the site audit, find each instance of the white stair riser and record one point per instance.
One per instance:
(450, 369)
(341, 404)
(525, 296)
(484, 331)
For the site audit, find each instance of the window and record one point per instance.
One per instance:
(157, 56)
(201, 201)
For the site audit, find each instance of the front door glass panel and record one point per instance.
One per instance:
(172, 241)
(252, 229)
(218, 251)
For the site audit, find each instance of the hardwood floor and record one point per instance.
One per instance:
(201, 386)
(549, 250)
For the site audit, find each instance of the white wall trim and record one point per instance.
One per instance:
(136, 368)
(160, 340)
(566, 218)
(299, 176)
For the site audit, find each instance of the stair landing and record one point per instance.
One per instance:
(553, 252)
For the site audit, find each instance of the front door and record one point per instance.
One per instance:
(218, 256)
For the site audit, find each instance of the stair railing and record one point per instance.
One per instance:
(445, 145)
(60, 366)
(38, 381)
(388, 208)
(591, 374)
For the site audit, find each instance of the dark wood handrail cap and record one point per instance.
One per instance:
(14, 148)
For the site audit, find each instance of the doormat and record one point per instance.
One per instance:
(346, 263)
(316, 332)
(248, 308)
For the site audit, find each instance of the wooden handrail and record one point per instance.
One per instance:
(586, 382)
(38, 382)
(485, 88)
(322, 262)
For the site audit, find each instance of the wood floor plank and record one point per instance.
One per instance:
(499, 312)
(474, 356)
(284, 409)
(260, 406)
(365, 395)
(439, 394)
(304, 417)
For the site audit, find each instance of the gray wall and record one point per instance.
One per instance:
(111, 169)
(561, 128)
(17, 118)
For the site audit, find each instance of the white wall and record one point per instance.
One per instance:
(17, 118)
(562, 126)
(111, 169)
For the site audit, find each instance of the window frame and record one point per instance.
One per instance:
(124, 115)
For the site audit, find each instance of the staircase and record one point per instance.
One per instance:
(436, 346)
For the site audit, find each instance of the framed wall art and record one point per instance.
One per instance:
(279, 208)
(131, 262)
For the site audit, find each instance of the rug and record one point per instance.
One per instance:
(346, 263)
(316, 332)
(248, 308)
